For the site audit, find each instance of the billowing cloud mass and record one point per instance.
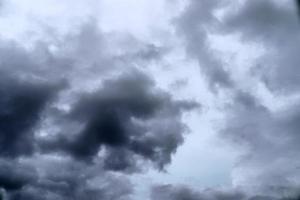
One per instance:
(127, 118)
(77, 115)
(88, 109)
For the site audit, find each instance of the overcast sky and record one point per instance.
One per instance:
(149, 100)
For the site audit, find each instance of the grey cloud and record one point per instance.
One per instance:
(86, 51)
(22, 180)
(171, 192)
(267, 139)
(127, 118)
(275, 26)
(14, 176)
(264, 21)
(270, 144)
(194, 25)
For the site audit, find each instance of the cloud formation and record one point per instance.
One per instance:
(21, 105)
(81, 106)
(275, 26)
(267, 137)
(38, 178)
(126, 117)
(195, 25)
(80, 114)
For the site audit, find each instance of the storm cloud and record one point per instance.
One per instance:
(82, 107)
(126, 117)
(21, 105)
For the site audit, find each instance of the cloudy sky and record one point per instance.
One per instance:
(149, 100)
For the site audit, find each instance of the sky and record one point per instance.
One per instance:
(149, 100)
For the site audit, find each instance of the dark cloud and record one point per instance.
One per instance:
(21, 180)
(128, 116)
(298, 7)
(21, 106)
(14, 176)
